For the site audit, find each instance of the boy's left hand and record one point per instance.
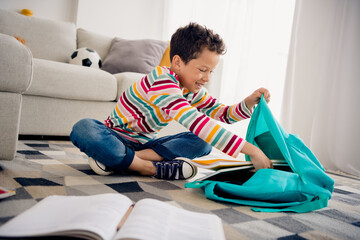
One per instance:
(254, 98)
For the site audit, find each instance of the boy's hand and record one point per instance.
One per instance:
(258, 158)
(254, 98)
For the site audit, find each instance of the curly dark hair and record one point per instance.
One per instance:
(189, 41)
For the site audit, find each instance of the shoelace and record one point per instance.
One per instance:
(168, 170)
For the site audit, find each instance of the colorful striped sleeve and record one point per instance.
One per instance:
(218, 111)
(169, 98)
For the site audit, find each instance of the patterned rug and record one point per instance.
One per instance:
(47, 167)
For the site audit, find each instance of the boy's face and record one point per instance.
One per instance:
(196, 72)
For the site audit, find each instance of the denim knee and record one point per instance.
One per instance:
(99, 142)
(185, 144)
(81, 129)
(203, 147)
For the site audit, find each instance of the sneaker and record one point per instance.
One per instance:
(99, 168)
(177, 169)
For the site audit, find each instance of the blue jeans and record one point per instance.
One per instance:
(116, 152)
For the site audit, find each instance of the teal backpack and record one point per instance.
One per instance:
(303, 186)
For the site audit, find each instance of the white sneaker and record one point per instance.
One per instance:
(99, 168)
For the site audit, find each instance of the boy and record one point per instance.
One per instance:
(127, 139)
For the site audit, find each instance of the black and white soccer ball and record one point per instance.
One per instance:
(86, 57)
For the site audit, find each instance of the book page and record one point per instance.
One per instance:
(70, 216)
(152, 219)
(219, 163)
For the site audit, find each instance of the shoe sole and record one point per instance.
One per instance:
(195, 169)
(98, 168)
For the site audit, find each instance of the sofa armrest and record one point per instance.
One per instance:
(16, 65)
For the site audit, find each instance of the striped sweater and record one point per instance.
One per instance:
(151, 103)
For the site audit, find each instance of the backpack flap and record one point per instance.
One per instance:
(267, 134)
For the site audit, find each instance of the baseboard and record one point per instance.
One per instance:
(42, 137)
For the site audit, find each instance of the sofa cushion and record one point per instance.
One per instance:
(139, 56)
(47, 39)
(56, 117)
(67, 81)
(100, 43)
(125, 80)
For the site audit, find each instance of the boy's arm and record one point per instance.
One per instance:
(171, 102)
(258, 158)
(218, 111)
(254, 98)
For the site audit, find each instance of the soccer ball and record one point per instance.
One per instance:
(86, 57)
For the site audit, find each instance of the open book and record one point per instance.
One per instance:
(219, 163)
(238, 173)
(111, 216)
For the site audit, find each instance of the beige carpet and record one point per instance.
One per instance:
(42, 168)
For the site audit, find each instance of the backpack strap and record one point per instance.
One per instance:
(318, 202)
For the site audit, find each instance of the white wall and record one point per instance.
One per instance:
(64, 10)
(134, 19)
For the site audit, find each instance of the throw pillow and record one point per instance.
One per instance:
(140, 56)
(165, 61)
(100, 43)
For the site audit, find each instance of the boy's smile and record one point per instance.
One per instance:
(196, 72)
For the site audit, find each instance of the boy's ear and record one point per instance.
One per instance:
(176, 62)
